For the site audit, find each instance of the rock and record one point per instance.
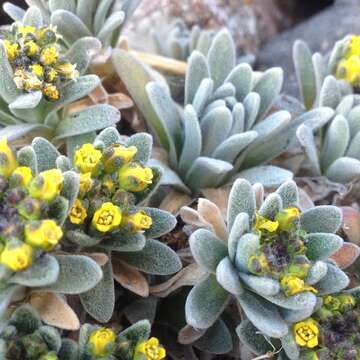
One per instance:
(320, 32)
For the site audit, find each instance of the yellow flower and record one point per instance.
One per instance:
(26, 29)
(107, 217)
(117, 156)
(12, 49)
(49, 56)
(85, 183)
(262, 223)
(78, 213)
(286, 218)
(134, 177)
(47, 185)
(43, 234)
(102, 341)
(258, 264)
(332, 303)
(31, 48)
(151, 349)
(292, 285)
(306, 333)
(349, 69)
(51, 92)
(347, 302)
(354, 46)
(32, 83)
(24, 174)
(37, 70)
(8, 161)
(51, 75)
(87, 158)
(17, 256)
(68, 70)
(137, 222)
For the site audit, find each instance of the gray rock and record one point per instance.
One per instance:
(320, 32)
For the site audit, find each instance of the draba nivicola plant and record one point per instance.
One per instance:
(328, 82)
(110, 214)
(35, 201)
(25, 337)
(41, 78)
(79, 19)
(225, 129)
(331, 332)
(270, 257)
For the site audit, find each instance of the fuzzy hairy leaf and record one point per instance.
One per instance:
(334, 281)
(46, 154)
(260, 284)
(241, 200)
(205, 302)
(228, 277)
(43, 272)
(248, 245)
(324, 218)
(90, 119)
(99, 302)
(240, 227)
(344, 170)
(162, 222)
(320, 246)
(77, 274)
(143, 143)
(207, 249)
(263, 315)
(155, 258)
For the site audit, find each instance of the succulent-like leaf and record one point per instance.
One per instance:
(125, 242)
(46, 154)
(143, 143)
(264, 314)
(240, 226)
(260, 284)
(320, 246)
(77, 274)
(205, 302)
(207, 249)
(334, 281)
(248, 245)
(228, 277)
(162, 222)
(155, 258)
(323, 218)
(344, 170)
(26, 156)
(99, 301)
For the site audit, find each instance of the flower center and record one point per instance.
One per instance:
(152, 351)
(306, 333)
(106, 217)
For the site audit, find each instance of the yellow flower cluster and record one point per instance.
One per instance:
(306, 333)
(349, 67)
(151, 349)
(34, 54)
(284, 221)
(111, 174)
(23, 198)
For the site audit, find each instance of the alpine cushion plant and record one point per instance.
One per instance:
(273, 261)
(225, 130)
(40, 79)
(110, 214)
(133, 343)
(25, 337)
(338, 155)
(79, 19)
(34, 206)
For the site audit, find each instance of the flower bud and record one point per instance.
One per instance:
(134, 177)
(136, 222)
(21, 176)
(87, 159)
(287, 217)
(43, 234)
(16, 255)
(8, 161)
(102, 342)
(78, 213)
(30, 208)
(47, 185)
(117, 156)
